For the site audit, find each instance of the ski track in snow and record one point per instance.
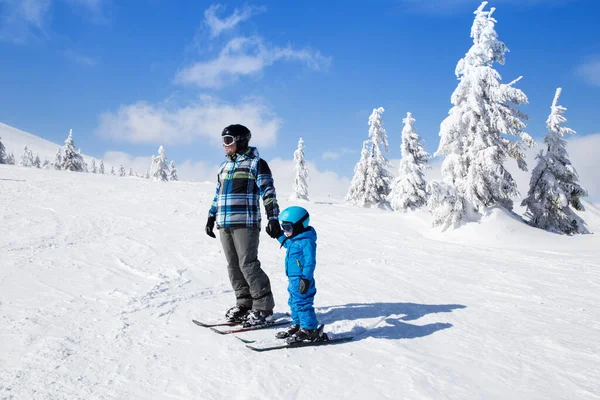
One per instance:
(100, 277)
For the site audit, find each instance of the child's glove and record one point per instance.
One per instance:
(304, 285)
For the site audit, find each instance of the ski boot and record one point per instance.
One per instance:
(237, 313)
(288, 332)
(258, 317)
(308, 335)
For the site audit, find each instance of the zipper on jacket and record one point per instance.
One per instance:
(300, 265)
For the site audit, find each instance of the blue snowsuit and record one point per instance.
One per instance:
(300, 262)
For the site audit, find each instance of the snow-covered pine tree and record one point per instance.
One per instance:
(3, 155)
(37, 162)
(94, 168)
(370, 184)
(173, 172)
(72, 160)
(112, 170)
(475, 137)
(159, 169)
(46, 164)
(10, 159)
(27, 158)
(58, 159)
(131, 172)
(300, 188)
(554, 186)
(410, 189)
(101, 167)
(122, 171)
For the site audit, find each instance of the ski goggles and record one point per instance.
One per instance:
(287, 226)
(228, 140)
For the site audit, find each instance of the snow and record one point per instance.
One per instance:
(100, 277)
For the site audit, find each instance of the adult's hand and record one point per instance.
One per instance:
(210, 226)
(273, 229)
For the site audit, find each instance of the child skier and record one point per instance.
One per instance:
(300, 240)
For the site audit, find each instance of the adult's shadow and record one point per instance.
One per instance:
(393, 314)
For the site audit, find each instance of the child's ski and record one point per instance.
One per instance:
(276, 346)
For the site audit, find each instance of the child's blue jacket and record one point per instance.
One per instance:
(301, 255)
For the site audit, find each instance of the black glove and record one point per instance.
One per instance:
(210, 225)
(273, 229)
(304, 285)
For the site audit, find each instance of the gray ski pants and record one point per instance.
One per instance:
(250, 283)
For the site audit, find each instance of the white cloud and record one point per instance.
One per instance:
(320, 186)
(245, 56)
(116, 159)
(218, 25)
(590, 71)
(22, 20)
(80, 58)
(162, 124)
(335, 155)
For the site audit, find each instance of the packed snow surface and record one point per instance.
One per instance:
(101, 276)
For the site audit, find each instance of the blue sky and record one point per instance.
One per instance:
(128, 76)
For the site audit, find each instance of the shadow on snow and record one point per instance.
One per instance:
(392, 314)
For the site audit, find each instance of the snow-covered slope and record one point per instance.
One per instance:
(100, 278)
(15, 141)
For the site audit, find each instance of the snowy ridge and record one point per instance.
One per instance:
(100, 278)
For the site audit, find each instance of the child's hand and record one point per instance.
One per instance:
(303, 286)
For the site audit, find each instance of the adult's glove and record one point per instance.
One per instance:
(304, 285)
(273, 229)
(210, 225)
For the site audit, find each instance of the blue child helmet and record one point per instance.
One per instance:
(295, 215)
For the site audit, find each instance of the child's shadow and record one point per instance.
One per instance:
(392, 314)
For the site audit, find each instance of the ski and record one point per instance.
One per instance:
(213, 324)
(249, 328)
(293, 345)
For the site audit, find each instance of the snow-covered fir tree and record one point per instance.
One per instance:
(37, 162)
(475, 137)
(3, 155)
(300, 188)
(112, 170)
(554, 186)
(10, 159)
(370, 184)
(101, 167)
(173, 172)
(27, 159)
(159, 168)
(122, 171)
(46, 164)
(131, 172)
(58, 159)
(71, 160)
(94, 168)
(409, 189)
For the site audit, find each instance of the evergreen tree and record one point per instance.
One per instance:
(554, 186)
(410, 189)
(3, 155)
(10, 159)
(27, 159)
(300, 188)
(370, 184)
(58, 159)
(122, 171)
(173, 172)
(72, 160)
(46, 164)
(94, 168)
(101, 168)
(158, 171)
(131, 172)
(475, 137)
(36, 161)
(112, 170)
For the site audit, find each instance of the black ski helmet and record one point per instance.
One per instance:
(241, 133)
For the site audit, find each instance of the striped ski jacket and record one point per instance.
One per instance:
(242, 179)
